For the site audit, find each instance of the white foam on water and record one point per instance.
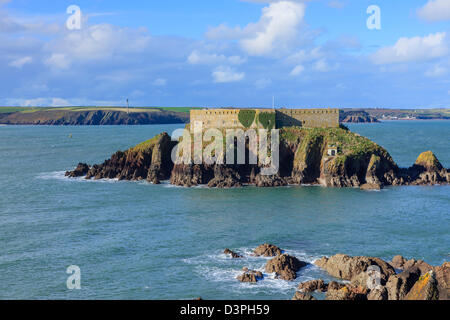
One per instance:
(221, 268)
(61, 176)
(55, 175)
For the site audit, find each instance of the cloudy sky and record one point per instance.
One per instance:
(317, 53)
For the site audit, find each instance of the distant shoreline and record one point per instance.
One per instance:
(78, 116)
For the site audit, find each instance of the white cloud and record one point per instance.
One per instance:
(305, 55)
(48, 102)
(435, 10)
(436, 71)
(19, 63)
(276, 28)
(322, 66)
(197, 57)
(275, 31)
(224, 74)
(297, 70)
(58, 61)
(413, 49)
(160, 82)
(96, 43)
(263, 83)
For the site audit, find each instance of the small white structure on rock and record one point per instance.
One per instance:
(332, 151)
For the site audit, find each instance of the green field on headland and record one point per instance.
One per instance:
(124, 109)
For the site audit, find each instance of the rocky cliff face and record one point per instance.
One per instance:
(356, 117)
(93, 117)
(304, 159)
(149, 160)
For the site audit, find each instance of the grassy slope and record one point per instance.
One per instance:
(349, 144)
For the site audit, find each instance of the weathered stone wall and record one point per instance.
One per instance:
(229, 118)
(310, 118)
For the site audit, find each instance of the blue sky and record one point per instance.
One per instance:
(316, 53)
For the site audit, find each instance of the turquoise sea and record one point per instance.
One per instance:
(134, 240)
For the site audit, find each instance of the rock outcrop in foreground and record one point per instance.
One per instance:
(361, 278)
(417, 280)
(282, 265)
(304, 159)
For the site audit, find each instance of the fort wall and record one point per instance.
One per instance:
(229, 118)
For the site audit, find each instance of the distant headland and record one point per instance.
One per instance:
(172, 115)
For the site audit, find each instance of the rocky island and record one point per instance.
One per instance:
(304, 159)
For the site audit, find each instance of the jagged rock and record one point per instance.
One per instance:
(378, 294)
(302, 296)
(347, 292)
(424, 289)
(442, 276)
(250, 276)
(313, 285)
(267, 250)
(225, 177)
(427, 170)
(284, 266)
(398, 262)
(80, 171)
(232, 253)
(333, 285)
(149, 160)
(346, 267)
(269, 181)
(420, 264)
(371, 186)
(191, 175)
(399, 285)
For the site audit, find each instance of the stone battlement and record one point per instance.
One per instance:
(265, 118)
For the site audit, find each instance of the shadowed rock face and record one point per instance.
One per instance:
(303, 160)
(427, 170)
(250, 276)
(285, 266)
(303, 296)
(149, 160)
(313, 285)
(349, 268)
(426, 288)
(80, 171)
(419, 280)
(399, 285)
(267, 250)
(442, 276)
(232, 254)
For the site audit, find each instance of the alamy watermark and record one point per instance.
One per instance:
(374, 20)
(74, 280)
(222, 151)
(74, 20)
(374, 279)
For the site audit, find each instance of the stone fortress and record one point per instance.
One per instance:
(265, 118)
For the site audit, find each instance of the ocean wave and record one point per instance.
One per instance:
(220, 268)
(55, 175)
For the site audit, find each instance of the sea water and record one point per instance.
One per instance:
(135, 240)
